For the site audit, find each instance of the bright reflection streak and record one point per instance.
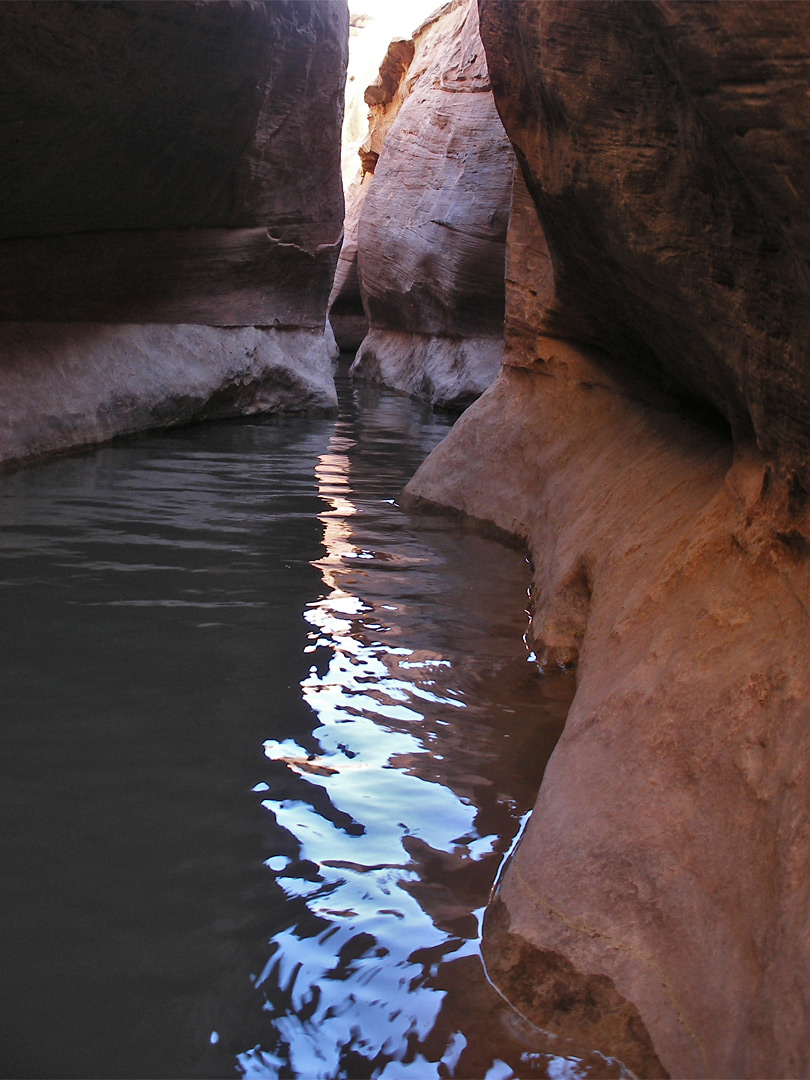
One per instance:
(398, 826)
(362, 871)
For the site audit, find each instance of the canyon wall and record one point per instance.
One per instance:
(647, 441)
(433, 222)
(382, 99)
(172, 213)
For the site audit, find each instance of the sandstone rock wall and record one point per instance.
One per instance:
(165, 166)
(665, 147)
(647, 441)
(382, 100)
(432, 228)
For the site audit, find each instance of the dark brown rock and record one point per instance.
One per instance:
(165, 165)
(432, 228)
(229, 277)
(136, 114)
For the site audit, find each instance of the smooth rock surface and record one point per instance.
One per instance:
(374, 25)
(381, 102)
(346, 312)
(144, 115)
(646, 441)
(665, 145)
(449, 372)
(66, 385)
(433, 224)
(662, 857)
(170, 164)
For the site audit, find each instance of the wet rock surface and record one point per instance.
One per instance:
(646, 440)
(166, 164)
(433, 225)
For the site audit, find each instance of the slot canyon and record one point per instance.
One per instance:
(496, 299)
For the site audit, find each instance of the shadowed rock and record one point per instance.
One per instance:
(174, 166)
(665, 145)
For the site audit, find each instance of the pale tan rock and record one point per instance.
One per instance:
(384, 98)
(449, 372)
(381, 101)
(346, 312)
(374, 25)
(661, 870)
(433, 224)
(66, 385)
(657, 905)
(380, 52)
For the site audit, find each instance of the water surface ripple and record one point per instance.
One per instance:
(267, 740)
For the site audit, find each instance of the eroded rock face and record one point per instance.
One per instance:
(382, 100)
(646, 439)
(166, 165)
(433, 225)
(74, 384)
(665, 147)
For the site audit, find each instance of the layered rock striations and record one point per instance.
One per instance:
(382, 100)
(433, 224)
(171, 215)
(665, 147)
(647, 440)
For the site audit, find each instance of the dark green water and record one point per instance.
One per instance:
(265, 742)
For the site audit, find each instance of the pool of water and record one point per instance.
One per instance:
(266, 740)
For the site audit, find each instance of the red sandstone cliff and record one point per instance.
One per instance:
(433, 225)
(648, 440)
(171, 213)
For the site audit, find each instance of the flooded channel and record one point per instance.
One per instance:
(266, 742)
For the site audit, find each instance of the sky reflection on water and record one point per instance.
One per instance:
(410, 799)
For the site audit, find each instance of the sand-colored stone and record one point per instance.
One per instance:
(665, 849)
(449, 372)
(382, 100)
(67, 385)
(380, 52)
(433, 224)
(646, 441)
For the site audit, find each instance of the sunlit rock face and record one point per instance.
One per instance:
(382, 100)
(381, 49)
(647, 440)
(172, 171)
(433, 225)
